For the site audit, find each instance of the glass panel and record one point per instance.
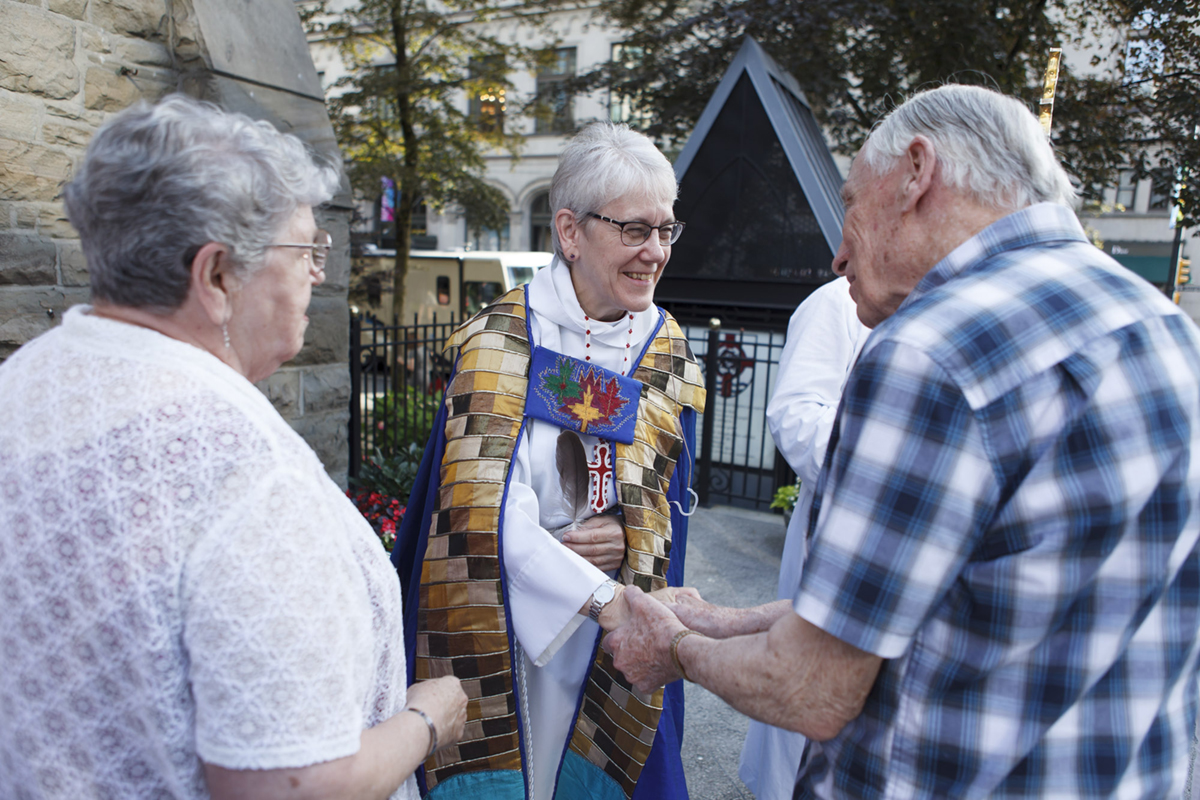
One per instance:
(748, 218)
(540, 221)
(1126, 190)
(555, 114)
(489, 100)
(478, 294)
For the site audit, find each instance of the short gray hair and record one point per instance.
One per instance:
(605, 162)
(159, 182)
(988, 145)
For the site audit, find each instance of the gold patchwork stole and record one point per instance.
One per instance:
(462, 626)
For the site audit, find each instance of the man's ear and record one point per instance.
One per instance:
(569, 231)
(920, 162)
(212, 281)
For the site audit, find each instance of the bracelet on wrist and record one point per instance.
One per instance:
(674, 650)
(433, 737)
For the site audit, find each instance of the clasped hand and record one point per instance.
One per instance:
(600, 540)
(640, 645)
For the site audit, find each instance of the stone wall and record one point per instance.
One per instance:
(66, 66)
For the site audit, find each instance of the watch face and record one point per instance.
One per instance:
(605, 593)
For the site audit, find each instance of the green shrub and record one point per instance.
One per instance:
(785, 496)
(390, 475)
(400, 420)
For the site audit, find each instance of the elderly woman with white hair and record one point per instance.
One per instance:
(191, 607)
(558, 475)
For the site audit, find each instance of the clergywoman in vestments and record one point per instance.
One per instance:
(557, 476)
(189, 606)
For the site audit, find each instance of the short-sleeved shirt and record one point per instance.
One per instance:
(1009, 516)
(180, 581)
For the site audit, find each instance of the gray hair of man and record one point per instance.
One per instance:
(605, 162)
(159, 182)
(988, 145)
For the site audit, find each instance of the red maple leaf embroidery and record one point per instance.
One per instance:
(606, 397)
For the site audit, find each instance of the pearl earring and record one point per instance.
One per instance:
(225, 333)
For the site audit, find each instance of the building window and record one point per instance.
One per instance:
(383, 105)
(488, 95)
(1144, 52)
(1126, 189)
(540, 220)
(622, 107)
(1162, 184)
(554, 113)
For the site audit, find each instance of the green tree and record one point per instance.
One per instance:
(398, 113)
(855, 59)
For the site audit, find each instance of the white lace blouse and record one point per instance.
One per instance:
(179, 578)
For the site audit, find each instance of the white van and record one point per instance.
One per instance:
(440, 282)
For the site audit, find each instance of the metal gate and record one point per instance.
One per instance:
(398, 377)
(738, 463)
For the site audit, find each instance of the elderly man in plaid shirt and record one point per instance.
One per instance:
(1002, 597)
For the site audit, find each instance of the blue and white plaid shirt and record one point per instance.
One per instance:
(1009, 514)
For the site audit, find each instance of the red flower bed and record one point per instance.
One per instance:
(383, 512)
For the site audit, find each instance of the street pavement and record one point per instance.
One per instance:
(733, 559)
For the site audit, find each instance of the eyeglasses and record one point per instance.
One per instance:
(635, 234)
(318, 249)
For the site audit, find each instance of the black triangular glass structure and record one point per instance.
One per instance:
(761, 196)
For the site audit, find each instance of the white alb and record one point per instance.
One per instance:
(179, 578)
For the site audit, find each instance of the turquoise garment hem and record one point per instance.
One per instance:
(497, 784)
(580, 779)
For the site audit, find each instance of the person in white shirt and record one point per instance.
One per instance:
(190, 606)
(823, 340)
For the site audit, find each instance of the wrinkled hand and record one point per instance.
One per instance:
(641, 647)
(715, 622)
(600, 540)
(444, 700)
(669, 595)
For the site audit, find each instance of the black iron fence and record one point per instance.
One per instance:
(398, 376)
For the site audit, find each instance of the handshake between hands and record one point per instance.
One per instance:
(640, 640)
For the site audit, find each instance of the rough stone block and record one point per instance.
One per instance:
(72, 264)
(55, 132)
(52, 222)
(283, 390)
(75, 113)
(95, 40)
(105, 90)
(37, 53)
(132, 17)
(327, 339)
(26, 215)
(19, 119)
(69, 8)
(326, 388)
(27, 261)
(26, 313)
(32, 171)
(327, 434)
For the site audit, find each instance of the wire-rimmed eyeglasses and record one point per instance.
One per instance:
(318, 249)
(635, 234)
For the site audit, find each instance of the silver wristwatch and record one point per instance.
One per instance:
(601, 598)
